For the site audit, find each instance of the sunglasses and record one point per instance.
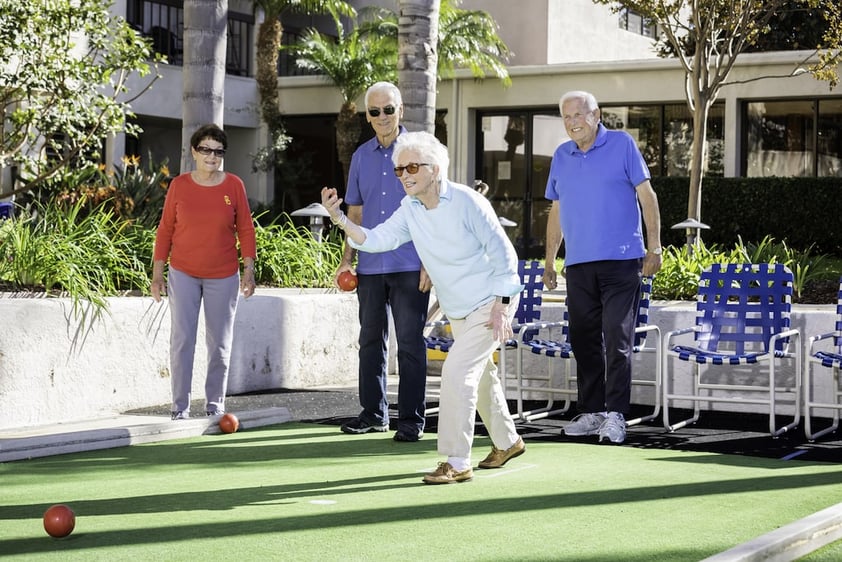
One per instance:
(208, 151)
(412, 168)
(375, 111)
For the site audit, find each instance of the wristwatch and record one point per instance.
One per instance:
(657, 251)
(505, 300)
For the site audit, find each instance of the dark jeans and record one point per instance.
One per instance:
(377, 294)
(602, 302)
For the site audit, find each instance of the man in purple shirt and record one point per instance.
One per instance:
(601, 196)
(392, 281)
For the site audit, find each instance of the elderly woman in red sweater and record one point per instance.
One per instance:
(206, 213)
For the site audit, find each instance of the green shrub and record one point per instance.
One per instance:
(678, 278)
(290, 256)
(802, 211)
(84, 256)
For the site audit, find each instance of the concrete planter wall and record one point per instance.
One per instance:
(284, 338)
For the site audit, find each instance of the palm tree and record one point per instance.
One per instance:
(203, 89)
(370, 53)
(269, 36)
(466, 39)
(352, 61)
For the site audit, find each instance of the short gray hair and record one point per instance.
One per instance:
(429, 148)
(588, 98)
(384, 87)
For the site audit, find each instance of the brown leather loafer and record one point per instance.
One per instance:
(497, 458)
(445, 474)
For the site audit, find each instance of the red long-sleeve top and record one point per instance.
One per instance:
(201, 225)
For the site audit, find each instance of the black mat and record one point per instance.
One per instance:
(716, 432)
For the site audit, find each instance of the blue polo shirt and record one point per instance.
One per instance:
(466, 252)
(598, 208)
(372, 183)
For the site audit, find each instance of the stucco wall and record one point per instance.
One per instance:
(283, 339)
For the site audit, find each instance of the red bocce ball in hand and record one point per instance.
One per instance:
(347, 281)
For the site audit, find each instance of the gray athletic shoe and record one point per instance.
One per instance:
(613, 428)
(584, 424)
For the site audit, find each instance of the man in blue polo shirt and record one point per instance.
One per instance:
(598, 185)
(392, 281)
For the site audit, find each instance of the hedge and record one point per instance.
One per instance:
(802, 212)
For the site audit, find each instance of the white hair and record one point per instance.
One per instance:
(428, 147)
(387, 87)
(587, 97)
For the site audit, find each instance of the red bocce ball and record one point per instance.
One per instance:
(59, 521)
(229, 423)
(347, 281)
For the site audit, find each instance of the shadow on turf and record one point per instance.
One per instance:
(716, 432)
(227, 499)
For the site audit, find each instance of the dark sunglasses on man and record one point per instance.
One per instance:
(375, 111)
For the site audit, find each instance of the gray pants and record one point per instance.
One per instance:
(218, 297)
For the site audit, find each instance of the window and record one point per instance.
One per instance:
(163, 23)
(644, 124)
(678, 140)
(792, 138)
(515, 148)
(636, 23)
(664, 135)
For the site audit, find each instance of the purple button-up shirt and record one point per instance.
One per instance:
(372, 183)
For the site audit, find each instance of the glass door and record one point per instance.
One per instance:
(514, 151)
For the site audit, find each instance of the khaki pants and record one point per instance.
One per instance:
(470, 385)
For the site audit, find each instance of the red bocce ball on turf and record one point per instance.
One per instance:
(59, 521)
(229, 423)
(347, 281)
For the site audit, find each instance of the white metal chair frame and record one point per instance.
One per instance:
(746, 306)
(528, 309)
(554, 349)
(824, 350)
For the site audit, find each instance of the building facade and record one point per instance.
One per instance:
(772, 120)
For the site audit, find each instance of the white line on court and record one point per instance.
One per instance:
(505, 471)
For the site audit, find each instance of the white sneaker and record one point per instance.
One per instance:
(613, 428)
(585, 424)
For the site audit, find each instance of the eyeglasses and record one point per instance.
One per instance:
(375, 111)
(207, 151)
(412, 168)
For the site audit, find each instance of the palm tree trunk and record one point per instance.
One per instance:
(348, 129)
(268, 42)
(203, 89)
(418, 62)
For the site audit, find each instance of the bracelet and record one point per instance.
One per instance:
(341, 221)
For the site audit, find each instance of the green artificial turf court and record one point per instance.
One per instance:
(308, 492)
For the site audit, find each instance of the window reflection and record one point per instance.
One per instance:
(643, 123)
(830, 138)
(779, 140)
(678, 140)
